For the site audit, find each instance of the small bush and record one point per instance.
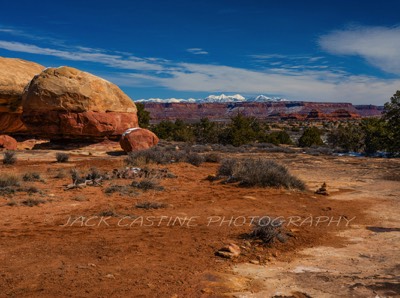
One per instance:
(7, 180)
(267, 229)
(32, 202)
(147, 184)
(311, 136)
(7, 191)
(212, 157)
(151, 205)
(226, 167)
(195, 159)
(62, 157)
(31, 176)
(9, 158)
(259, 172)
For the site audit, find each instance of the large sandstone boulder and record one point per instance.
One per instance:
(68, 103)
(15, 74)
(135, 139)
(8, 143)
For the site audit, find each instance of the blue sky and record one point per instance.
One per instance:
(347, 51)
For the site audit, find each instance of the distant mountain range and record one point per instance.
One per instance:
(215, 99)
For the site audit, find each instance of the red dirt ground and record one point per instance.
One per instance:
(41, 258)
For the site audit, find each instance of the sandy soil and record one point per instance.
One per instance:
(49, 251)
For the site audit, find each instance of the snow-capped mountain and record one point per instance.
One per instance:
(215, 99)
(223, 98)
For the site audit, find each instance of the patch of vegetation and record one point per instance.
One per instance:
(143, 115)
(62, 157)
(268, 229)
(7, 180)
(212, 157)
(7, 191)
(195, 159)
(32, 202)
(151, 205)
(31, 176)
(259, 172)
(9, 158)
(311, 136)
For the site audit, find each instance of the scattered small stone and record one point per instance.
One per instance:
(322, 190)
(229, 251)
(110, 276)
(255, 262)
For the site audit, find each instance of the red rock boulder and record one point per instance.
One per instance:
(135, 139)
(8, 143)
(15, 74)
(66, 103)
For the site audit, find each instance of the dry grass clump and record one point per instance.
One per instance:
(32, 202)
(259, 172)
(62, 157)
(9, 158)
(31, 176)
(267, 229)
(7, 180)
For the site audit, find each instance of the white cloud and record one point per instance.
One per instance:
(316, 84)
(379, 46)
(84, 54)
(197, 51)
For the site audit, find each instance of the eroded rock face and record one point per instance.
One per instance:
(15, 74)
(66, 103)
(8, 143)
(138, 139)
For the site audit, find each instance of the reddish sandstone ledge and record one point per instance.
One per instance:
(86, 125)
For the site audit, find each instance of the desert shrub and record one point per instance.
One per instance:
(259, 172)
(9, 158)
(7, 180)
(62, 157)
(391, 116)
(311, 136)
(93, 174)
(32, 202)
(147, 184)
(267, 229)
(212, 157)
(278, 137)
(150, 205)
(241, 130)
(206, 131)
(143, 115)
(31, 176)
(347, 138)
(174, 131)
(12, 203)
(7, 191)
(195, 159)
(32, 190)
(227, 167)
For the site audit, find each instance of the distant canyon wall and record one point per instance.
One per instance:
(288, 110)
